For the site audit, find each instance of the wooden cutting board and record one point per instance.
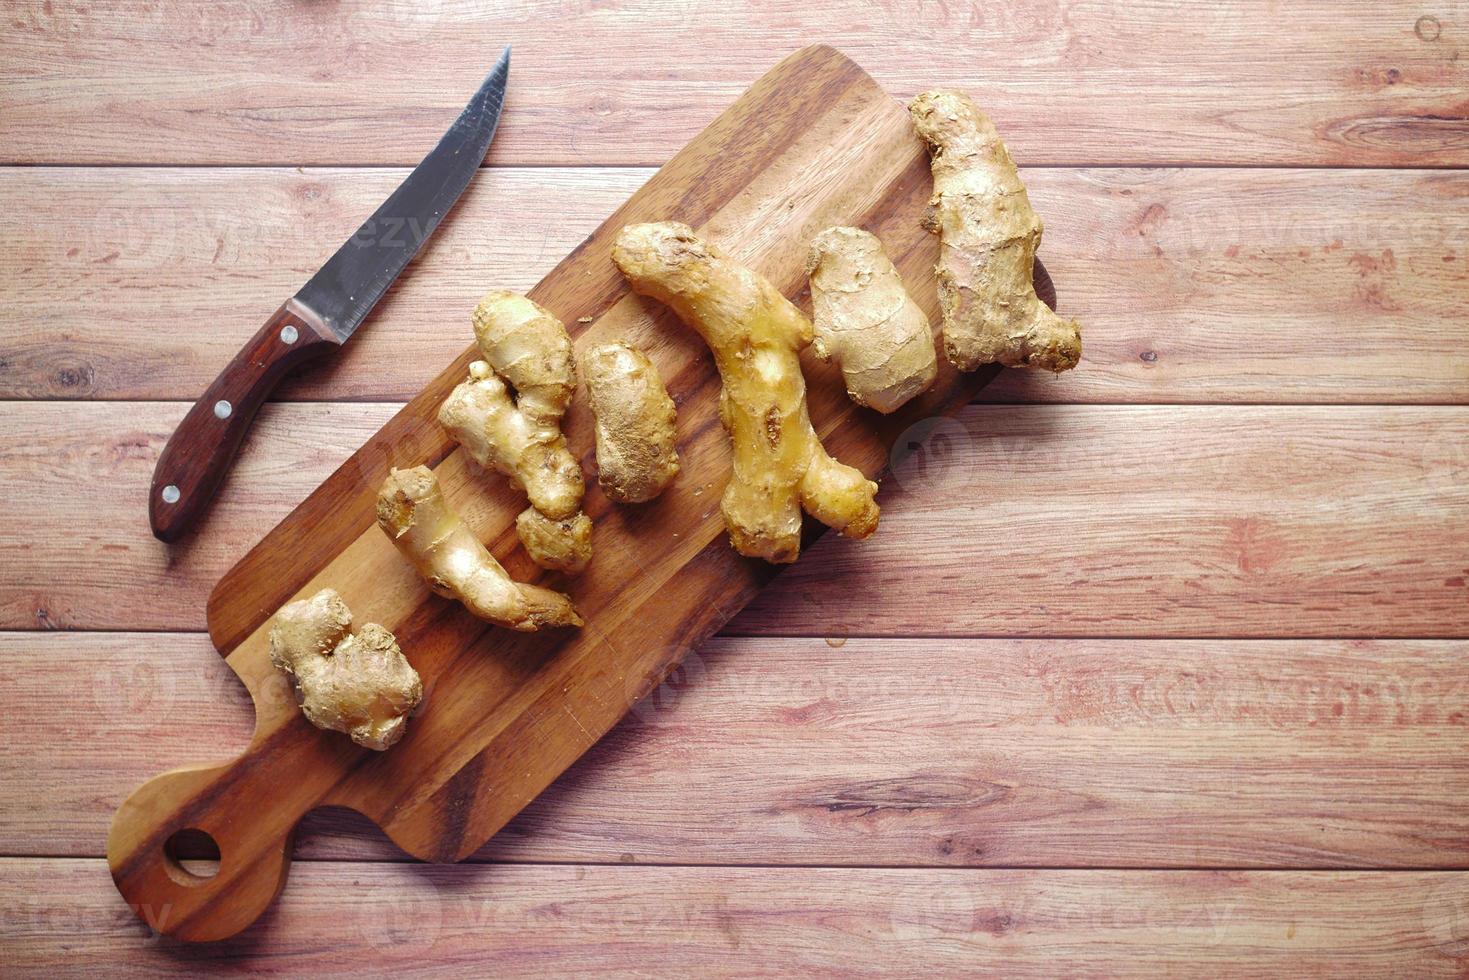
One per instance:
(814, 143)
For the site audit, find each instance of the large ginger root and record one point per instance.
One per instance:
(989, 235)
(755, 333)
(866, 321)
(525, 348)
(359, 684)
(412, 511)
(637, 456)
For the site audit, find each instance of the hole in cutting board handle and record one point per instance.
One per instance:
(191, 855)
(188, 814)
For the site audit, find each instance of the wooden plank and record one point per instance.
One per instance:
(214, 251)
(76, 478)
(1029, 753)
(1193, 285)
(1361, 82)
(63, 919)
(1156, 521)
(1169, 521)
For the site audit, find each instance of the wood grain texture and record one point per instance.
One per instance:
(1355, 82)
(75, 479)
(203, 248)
(1221, 285)
(1225, 753)
(1185, 521)
(1082, 520)
(1218, 285)
(62, 919)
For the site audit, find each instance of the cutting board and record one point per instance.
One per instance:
(816, 142)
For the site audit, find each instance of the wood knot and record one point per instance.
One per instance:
(79, 377)
(997, 924)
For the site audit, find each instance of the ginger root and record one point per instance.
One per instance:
(359, 683)
(562, 546)
(637, 456)
(988, 235)
(866, 321)
(755, 333)
(528, 350)
(412, 511)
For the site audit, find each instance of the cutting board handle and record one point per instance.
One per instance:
(254, 851)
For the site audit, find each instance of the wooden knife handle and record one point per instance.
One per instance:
(203, 446)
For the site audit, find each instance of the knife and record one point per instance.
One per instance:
(321, 316)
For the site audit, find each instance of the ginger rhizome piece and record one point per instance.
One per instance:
(412, 511)
(359, 684)
(755, 334)
(563, 546)
(507, 416)
(866, 321)
(988, 235)
(637, 455)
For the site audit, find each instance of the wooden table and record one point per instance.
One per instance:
(1158, 665)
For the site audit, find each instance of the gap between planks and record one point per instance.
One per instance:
(477, 862)
(652, 167)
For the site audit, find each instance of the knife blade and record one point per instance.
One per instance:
(321, 316)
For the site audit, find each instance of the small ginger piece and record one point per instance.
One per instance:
(988, 235)
(866, 321)
(412, 511)
(508, 417)
(637, 455)
(482, 418)
(755, 334)
(562, 546)
(359, 684)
